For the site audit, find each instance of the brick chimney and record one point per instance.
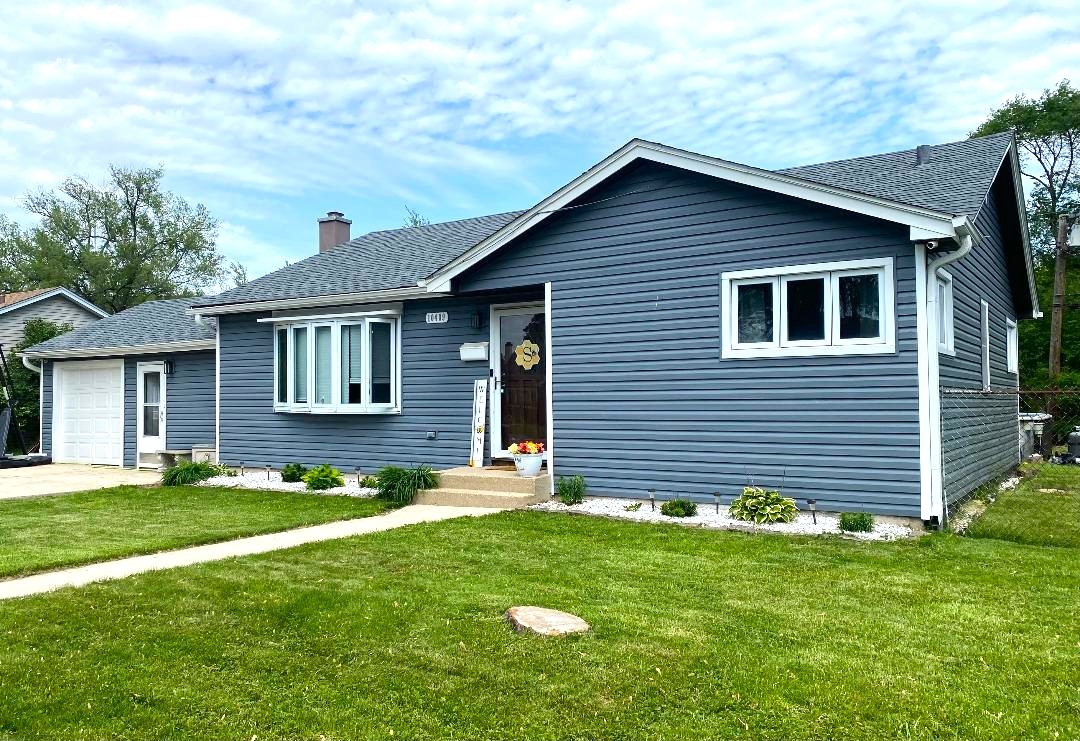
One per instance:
(334, 229)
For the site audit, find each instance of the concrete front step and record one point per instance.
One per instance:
(495, 480)
(478, 498)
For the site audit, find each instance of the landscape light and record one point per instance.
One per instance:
(652, 499)
(813, 509)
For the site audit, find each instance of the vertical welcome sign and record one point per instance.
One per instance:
(479, 422)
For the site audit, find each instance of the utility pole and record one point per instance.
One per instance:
(1061, 263)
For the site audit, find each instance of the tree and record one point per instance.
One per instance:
(25, 382)
(119, 244)
(238, 274)
(1047, 132)
(414, 218)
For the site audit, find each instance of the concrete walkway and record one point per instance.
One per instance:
(62, 478)
(81, 575)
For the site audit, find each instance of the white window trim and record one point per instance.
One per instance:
(948, 347)
(1012, 347)
(833, 346)
(336, 406)
(984, 319)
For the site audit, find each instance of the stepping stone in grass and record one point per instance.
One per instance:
(544, 621)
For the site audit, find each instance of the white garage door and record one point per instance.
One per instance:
(88, 412)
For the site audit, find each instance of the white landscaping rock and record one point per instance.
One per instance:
(707, 517)
(545, 621)
(256, 479)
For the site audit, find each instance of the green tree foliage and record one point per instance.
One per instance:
(1048, 134)
(25, 381)
(118, 244)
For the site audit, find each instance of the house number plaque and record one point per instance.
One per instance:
(437, 317)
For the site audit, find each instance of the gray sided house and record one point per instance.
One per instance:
(58, 305)
(123, 389)
(665, 321)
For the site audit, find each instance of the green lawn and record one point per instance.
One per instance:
(1028, 515)
(48, 532)
(697, 635)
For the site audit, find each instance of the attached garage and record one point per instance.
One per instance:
(88, 413)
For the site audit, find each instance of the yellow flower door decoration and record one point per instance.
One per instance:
(527, 354)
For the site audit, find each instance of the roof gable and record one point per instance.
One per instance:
(22, 299)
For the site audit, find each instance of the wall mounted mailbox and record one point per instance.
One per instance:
(474, 351)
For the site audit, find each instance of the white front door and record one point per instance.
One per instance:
(150, 385)
(519, 376)
(88, 412)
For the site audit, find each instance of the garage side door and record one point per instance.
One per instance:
(88, 415)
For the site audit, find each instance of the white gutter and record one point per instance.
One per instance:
(966, 236)
(30, 366)
(340, 299)
(103, 352)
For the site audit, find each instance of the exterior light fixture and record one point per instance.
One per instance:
(813, 509)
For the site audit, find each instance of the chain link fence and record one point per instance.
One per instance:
(985, 435)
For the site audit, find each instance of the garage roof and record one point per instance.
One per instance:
(150, 327)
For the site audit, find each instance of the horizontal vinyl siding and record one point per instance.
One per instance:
(437, 390)
(642, 398)
(189, 401)
(979, 432)
(56, 309)
(46, 406)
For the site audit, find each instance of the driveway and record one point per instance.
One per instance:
(60, 478)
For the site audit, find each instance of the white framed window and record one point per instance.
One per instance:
(985, 335)
(1012, 347)
(347, 364)
(836, 308)
(943, 303)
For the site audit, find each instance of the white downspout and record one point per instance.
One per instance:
(965, 238)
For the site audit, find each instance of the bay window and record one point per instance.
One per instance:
(345, 364)
(824, 309)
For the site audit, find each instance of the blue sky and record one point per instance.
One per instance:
(272, 113)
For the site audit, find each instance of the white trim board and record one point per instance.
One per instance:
(924, 223)
(98, 352)
(310, 302)
(59, 291)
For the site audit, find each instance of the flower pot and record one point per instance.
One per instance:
(528, 464)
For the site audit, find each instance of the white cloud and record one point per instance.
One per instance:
(279, 102)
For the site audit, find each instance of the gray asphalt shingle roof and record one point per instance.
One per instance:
(151, 323)
(955, 180)
(396, 258)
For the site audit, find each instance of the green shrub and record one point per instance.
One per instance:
(633, 507)
(399, 485)
(186, 473)
(293, 473)
(760, 506)
(571, 489)
(369, 482)
(678, 508)
(323, 477)
(856, 522)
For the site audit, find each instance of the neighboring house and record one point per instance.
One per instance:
(665, 321)
(57, 305)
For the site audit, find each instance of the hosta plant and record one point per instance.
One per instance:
(762, 506)
(324, 477)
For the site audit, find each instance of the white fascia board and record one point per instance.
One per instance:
(928, 221)
(366, 297)
(1029, 263)
(60, 291)
(98, 352)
